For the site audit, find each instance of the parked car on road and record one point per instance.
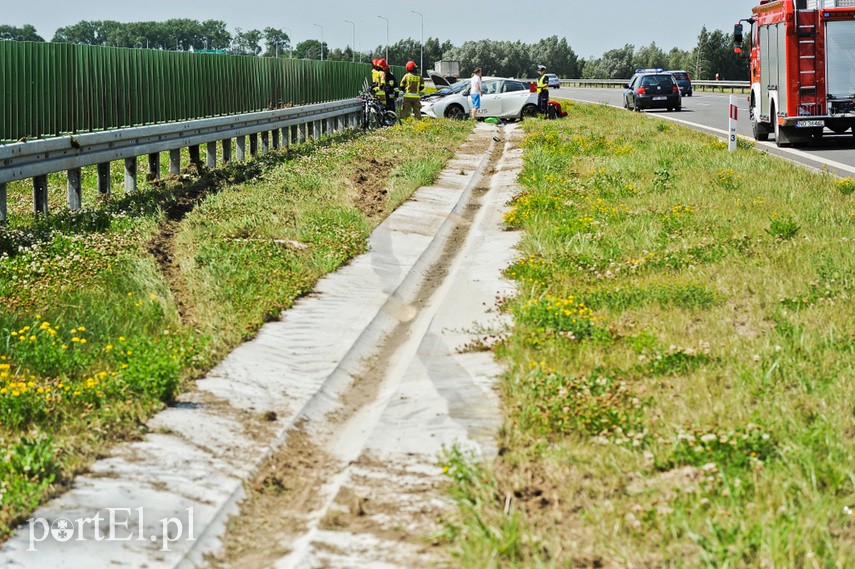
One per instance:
(501, 98)
(552, 81)
(652, 89)
(684, 81)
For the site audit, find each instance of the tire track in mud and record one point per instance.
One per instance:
(323, 499)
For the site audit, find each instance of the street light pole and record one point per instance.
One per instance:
(322, 40)
(290, 44)
(353, 47)
(387, 36)
(422, 53)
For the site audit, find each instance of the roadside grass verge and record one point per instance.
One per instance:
(680, 389)
(97, 332)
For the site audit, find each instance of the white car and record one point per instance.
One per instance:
(552, 81)
(501, 98)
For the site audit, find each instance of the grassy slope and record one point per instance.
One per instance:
(91, 337)
(681, 378)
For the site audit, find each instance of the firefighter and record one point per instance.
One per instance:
(412, 85)
(378, 81)
(542, 90)
(391, 86)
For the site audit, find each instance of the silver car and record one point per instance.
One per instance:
(501, 98)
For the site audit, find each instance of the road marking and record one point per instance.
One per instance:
(824, 162)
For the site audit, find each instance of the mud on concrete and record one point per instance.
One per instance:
(285, 499)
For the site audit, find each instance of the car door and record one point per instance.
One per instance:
(513, 95)
(491, 103)
(629, 93)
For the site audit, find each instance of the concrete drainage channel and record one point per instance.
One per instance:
(333, 418)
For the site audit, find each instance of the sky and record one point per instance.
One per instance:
(590, 26)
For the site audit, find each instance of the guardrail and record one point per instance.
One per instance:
(39, 158)
(701, 85)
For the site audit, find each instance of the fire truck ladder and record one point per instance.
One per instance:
(808, 88)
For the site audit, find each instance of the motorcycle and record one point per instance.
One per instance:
(374, 113)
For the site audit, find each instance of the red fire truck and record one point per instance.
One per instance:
(802, 68)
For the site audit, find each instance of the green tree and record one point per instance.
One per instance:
(556, 55)
(87, 32)
(24, 33)
(614, 64)
(310, 49)
(247, 42)
(650, 57)
(276, 42)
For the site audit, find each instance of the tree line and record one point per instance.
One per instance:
(713, 55)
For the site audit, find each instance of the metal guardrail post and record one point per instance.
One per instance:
(253, 145)
(130, 175)
(104, 179)
(153, 166)
(241, 149)
(211, 155)
(175, 162)
(75, 190)
(195, 156)
(3, 213)
(227, 150)
(40, 195)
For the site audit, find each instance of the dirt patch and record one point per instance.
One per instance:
(286, 487)
(369, 181)
(162, 245)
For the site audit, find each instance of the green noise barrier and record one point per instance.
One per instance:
(53, 89)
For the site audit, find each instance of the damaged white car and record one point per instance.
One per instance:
(501, 98)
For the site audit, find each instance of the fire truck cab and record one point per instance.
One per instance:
(802, 68)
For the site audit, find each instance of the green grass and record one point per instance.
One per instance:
(96, 335)
(680, 384)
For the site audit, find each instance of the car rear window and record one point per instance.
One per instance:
(652, 80)
(681, 76)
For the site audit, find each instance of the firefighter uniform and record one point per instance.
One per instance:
(378, 81)
(542, 90)
(392, 89)
(412, 85)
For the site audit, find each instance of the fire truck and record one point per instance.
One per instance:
(802, 68)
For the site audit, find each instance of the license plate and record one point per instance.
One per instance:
(806, 124)
(660, 98)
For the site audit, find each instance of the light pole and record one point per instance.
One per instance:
(353, 46)
(387, 36)
(322, 40)
(422, 53)
(290, 44)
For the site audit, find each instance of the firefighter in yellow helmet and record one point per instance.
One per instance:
(412, 85)
(378, 81)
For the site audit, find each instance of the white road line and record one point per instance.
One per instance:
(824, 162)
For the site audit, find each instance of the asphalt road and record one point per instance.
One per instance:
(709, 112)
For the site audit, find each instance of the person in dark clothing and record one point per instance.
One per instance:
(391, 88)
(542, 90)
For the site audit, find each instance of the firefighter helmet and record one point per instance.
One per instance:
(411, 65)
(381, 63)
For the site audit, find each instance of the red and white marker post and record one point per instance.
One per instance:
(734, 113)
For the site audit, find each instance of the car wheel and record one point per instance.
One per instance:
(455, 112)
(678, 108)
(529, 111)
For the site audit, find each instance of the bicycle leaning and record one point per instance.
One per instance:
(374, 113)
